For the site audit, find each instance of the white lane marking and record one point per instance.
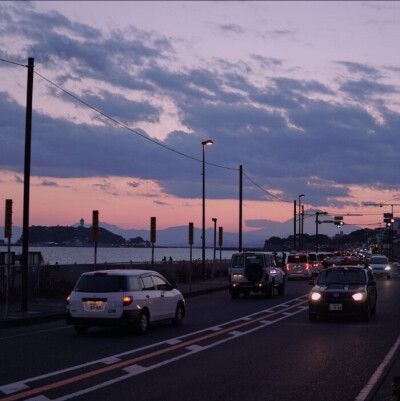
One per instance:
(136, 350)
(38, 398)
(163, 363)
(235, 333)
(195, 348)
(174, 341)
(13, 387)
(34, 332)
(216, 328)
(135, 369)
(378, 372)
(266, 322)
(111, 360)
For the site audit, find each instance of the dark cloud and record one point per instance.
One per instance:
(278, 33)
(133, 184)
(231, 28)
(363, 89)
(160, 203)
(49, 184)
(357, 68)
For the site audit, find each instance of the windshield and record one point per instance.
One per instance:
(341, 276)
(379, 261)
(239, 260)
(91, 283)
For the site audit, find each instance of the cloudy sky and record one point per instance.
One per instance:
(304, 95)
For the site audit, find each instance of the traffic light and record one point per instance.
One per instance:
(8, 220)
(95, 225)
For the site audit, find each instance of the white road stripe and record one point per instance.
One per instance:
(175, 340)
(365, 392)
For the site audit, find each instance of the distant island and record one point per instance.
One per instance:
(78, 236)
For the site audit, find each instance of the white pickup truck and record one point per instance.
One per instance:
(255, 272)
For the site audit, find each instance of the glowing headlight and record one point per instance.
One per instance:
(387, 268)
(272, 272)
(358, 296)
(315, 296)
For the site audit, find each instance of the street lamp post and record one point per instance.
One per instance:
(203, 235)
(214, 219)
(300, 196)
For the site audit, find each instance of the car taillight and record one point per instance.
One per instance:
(127, 300)
(287, 266)
(307, 266)
(68, 298)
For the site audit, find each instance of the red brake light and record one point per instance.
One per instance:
(287, 266)
(307, 267)
(127, 300)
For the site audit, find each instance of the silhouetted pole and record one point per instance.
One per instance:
(294, 225)
(302, 228)
(203, 234)
(240, 206)
(214, 219)
(27, 173)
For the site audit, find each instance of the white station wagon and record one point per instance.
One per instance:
(133, 298)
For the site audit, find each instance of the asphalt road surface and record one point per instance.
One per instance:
(252, 348)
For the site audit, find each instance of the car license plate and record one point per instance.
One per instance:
(94, 306)
(335, 306)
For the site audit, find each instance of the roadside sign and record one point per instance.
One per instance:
(95, 225)
(8, 220)
(190, 233)
(220, 236)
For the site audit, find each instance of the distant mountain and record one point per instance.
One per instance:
(178, 236)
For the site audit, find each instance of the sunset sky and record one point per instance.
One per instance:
(304, 95)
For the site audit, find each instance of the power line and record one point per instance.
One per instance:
(13, 62)
(264, 190)
(129, 128)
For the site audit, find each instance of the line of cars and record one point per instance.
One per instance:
(137, 298)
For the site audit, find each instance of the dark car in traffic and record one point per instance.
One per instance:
(343, 291)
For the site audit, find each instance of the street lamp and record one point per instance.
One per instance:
(300, 233)
(214, 219)
(203, 236)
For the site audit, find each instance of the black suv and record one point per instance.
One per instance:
(343, 291)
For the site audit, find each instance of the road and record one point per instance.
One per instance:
(248, 349)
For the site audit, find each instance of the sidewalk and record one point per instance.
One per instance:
(41, 310)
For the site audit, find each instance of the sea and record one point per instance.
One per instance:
(82, 255)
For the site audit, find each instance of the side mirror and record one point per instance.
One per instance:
(311, 282)
(172, 286)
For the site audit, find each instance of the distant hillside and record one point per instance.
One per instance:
(78, 236)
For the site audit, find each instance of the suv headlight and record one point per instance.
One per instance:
(315, 296)
(387, 268)
(358, 296)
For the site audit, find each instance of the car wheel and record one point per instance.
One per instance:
(281, 288)
(81, 329)
(179, 314)
(270, 291)
(143, 325)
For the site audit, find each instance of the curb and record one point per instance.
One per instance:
(52, 317)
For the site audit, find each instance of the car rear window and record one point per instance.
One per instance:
(312, 257)
(297, 259)
(100, 283)
(342, 276)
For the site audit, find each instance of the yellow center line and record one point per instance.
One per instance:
(132, 361)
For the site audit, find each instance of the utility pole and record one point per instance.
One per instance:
(240, 206)
(27, 173)
(294, 225)
(302, 228)
(317, 222)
